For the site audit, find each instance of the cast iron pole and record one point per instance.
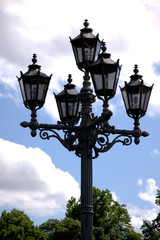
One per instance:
(87, 98)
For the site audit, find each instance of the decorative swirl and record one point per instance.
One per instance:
(45, 135)
(68, 142)
(103, 139)
(104, 144)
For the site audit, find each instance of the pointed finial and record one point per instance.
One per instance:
(135, 69)
(103, 46)
(69, 78)
(86, 23)
(34, 59)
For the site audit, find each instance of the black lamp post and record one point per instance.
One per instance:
(84, 133)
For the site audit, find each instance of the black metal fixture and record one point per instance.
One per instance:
(136, 95)
(68, 102)
(105, 74)
(84, 133)
(34, 85)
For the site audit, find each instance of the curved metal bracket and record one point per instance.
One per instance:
(69, 141)
(103, 143)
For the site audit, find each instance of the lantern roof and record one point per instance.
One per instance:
(85, 32)
(104, 58)
(136, 79)
(34, 69)
(69, 88)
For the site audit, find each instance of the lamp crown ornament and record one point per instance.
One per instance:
(103, 46)
(86, 23)
(34, 59)
(135, 70)
(136, 76)
(69, 78)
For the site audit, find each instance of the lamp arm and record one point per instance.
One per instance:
(69, 141)
(47, 131)
(104, 143)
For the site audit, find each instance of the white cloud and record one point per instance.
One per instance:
(139, 214)
(140, 182)
(151, 190)
(155, 152)
(29, 180)
(114, 196)
(48, 36)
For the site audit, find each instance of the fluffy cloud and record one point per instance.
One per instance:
(138, 214)
(21, 36)
(29, 180)
(150, 193)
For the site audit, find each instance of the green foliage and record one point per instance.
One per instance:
(158, 198)
(151, 229)
(16, 225)
(66, 229)
(111, 220)
(73, 209)
(49, 227)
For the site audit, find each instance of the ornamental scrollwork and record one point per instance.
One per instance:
(69, 141)
(103, 143)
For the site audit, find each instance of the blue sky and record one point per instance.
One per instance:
(39, 176)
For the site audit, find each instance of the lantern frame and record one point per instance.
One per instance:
(136, 95)
(68, 102)
(86, 47)
(105, 74)
(34, 86)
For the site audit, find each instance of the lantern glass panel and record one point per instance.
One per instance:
(78, 53)
(145, 99)
(98, 81)
(125, 98)
(28, 91)
(63, 109)
(33, 92)
(74, 109)
(70, 108)
(134, 100)
(22, 89)
(42, 91)
(110, 81)
(98, 47)
(88, 54)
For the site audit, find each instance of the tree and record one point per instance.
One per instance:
(16, 225)
(66, 229)
(158, 198)
(151, 229)
(111, 220)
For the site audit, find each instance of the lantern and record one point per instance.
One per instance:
(136, 95)
(105, 74)
(86, 47)
(34, 85)
(68, 102)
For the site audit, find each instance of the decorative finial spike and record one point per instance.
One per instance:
(103, 46)
(69, 78)
(86, 23)
(34, 59)
(135, 69)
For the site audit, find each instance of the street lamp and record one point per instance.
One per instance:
(84, 133)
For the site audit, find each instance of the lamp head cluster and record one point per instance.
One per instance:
(91, 57)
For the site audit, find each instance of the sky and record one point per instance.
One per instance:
(39, 176)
